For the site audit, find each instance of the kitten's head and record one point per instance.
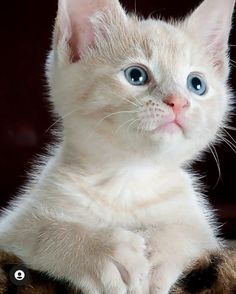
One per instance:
(141, 85)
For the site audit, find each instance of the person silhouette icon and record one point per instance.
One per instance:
(19, 275)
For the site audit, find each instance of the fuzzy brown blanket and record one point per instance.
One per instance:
(214, 273)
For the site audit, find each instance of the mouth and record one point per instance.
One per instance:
(172, 127)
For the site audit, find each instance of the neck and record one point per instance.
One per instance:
(98, 152)
(99, 148)
(128, 183)
(115, 172)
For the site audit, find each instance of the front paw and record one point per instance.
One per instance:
(123, 269)
(130, 259)
(161, 279)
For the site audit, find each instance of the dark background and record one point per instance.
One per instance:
(25, 34)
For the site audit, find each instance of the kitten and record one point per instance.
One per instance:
(112, 209)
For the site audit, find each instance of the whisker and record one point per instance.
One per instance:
(229, 143)
(107, 116)
(232, 147)
(139, 102)
(127, 100)
(232, 63)
(216, 158)
(128, 131)
(132, 123)
(122, 125)
(115, 113)
(230, 128)
(60, 119)
(230, 136)
(141, 129)
(52, 125)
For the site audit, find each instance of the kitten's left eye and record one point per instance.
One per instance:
(196, 84)
(136, 75)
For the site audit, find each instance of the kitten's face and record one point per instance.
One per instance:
(146, 83)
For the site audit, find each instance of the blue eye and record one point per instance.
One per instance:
(196, 84)
(136, 75)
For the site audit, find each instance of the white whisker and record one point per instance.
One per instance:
(232, 63)
(229, 143)
(216, 158)
(105, 117)
(230, 136)
(230, 128)
(121, 126)
(141, 129)
(127, 100)
(139, 102)
(128, 131)
(115, 113)
(61, 119)
(132, 123)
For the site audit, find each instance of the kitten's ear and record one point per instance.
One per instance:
(211, 24)
(74, 29)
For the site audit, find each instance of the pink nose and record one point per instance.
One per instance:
(176, 103)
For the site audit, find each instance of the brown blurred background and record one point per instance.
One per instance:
(25, 32)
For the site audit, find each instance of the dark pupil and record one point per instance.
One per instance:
(197, 84)
(136, 75)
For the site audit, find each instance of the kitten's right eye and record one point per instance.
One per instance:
(136, 75)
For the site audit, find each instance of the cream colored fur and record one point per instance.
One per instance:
(112, 209)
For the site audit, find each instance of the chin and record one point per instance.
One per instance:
(170, 135)
(171, 145)
(169, 129)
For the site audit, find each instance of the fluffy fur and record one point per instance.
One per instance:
(213, 273)
(113, 209)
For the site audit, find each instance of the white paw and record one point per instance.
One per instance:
(102, 278)
(162, 279)
(129, 258)
(124, 270)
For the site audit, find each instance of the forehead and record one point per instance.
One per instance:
(169, 41)
(171, 47)
(152, 42)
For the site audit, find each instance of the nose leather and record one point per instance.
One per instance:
(177, 103)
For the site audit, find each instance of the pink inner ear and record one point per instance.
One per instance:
(75, 23)
(80, 13)
(80, 41)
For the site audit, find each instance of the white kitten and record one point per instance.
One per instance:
(112, 209)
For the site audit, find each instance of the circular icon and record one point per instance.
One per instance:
(19, 275)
